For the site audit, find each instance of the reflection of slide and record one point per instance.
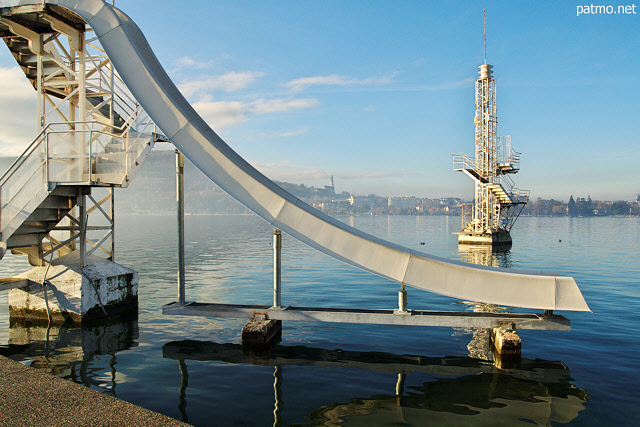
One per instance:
(458, 390)
(134, 60)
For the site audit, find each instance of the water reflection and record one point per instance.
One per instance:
(82, 354)
(472, 390)
(499, 256)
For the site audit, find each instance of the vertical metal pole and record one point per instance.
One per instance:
(85, 165)
(82, 217)
(40, 98)
(113, 98)
(113, 224)
(277, 249)
(46, 161)
(402, 300)
(180, 212)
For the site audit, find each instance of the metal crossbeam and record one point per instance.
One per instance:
(372, 316)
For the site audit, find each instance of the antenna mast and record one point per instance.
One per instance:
(484, 18)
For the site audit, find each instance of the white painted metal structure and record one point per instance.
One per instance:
(497, 202)
(92, 136)
(136, 63)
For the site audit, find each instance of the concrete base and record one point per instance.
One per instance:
(506, 347)
(496, 238)
(75, 295)
(261, 333)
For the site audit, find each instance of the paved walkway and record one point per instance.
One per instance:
(29, 397)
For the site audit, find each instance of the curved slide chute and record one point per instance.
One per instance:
(139, 68)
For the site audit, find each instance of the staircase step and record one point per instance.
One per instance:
(46, 214)
(24, 240)
(19, 45)
(66, 191)
(36, 227)
(104, 110)
(56, 202)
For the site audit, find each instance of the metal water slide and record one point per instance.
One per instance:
(139, 68)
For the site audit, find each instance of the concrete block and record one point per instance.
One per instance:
(74, 294)
(496, 238)
(261, 333)
(506, 346)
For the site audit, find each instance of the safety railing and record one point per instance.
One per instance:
(515, 194)
(508, 159)
(82, 155)
(18, 189)
(463, 162)
(467, 215)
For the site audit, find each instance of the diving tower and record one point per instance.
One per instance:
(498, 203)
(105, 135)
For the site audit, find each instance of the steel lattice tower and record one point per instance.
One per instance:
(497, 202)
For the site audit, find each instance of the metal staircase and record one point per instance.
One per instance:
(497, 187)
(99, 138)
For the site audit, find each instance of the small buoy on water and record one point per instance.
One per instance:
(559, 240)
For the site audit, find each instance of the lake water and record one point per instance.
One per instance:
(193, 368)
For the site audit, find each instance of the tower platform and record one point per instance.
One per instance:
(494, 238)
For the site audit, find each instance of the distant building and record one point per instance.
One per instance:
(360, 203)
(404, 202)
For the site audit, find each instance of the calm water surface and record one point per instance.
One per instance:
(194, 369)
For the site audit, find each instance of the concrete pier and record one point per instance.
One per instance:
(496, 238)
(261, 332)
(75, 294)
(506, 346)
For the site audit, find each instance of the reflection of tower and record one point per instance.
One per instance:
(480, 347)
(497, 203)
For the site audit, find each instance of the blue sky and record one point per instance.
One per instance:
(380, 93)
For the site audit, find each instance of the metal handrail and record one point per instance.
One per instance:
(34, 144)
(506, 179)
(462, 161)
(514, 159)
(42, 136)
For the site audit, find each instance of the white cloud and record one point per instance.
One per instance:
(229, 82)
(293, 133)
(263, 106)
(14, 85)
(454, 85)
(187, 62)
(286, 171)
(276, 135)
(334, 80)
(221, 114)
(17, 112)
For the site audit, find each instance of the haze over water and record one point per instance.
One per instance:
(327, 374)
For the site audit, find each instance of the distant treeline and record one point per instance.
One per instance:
(580, 207)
